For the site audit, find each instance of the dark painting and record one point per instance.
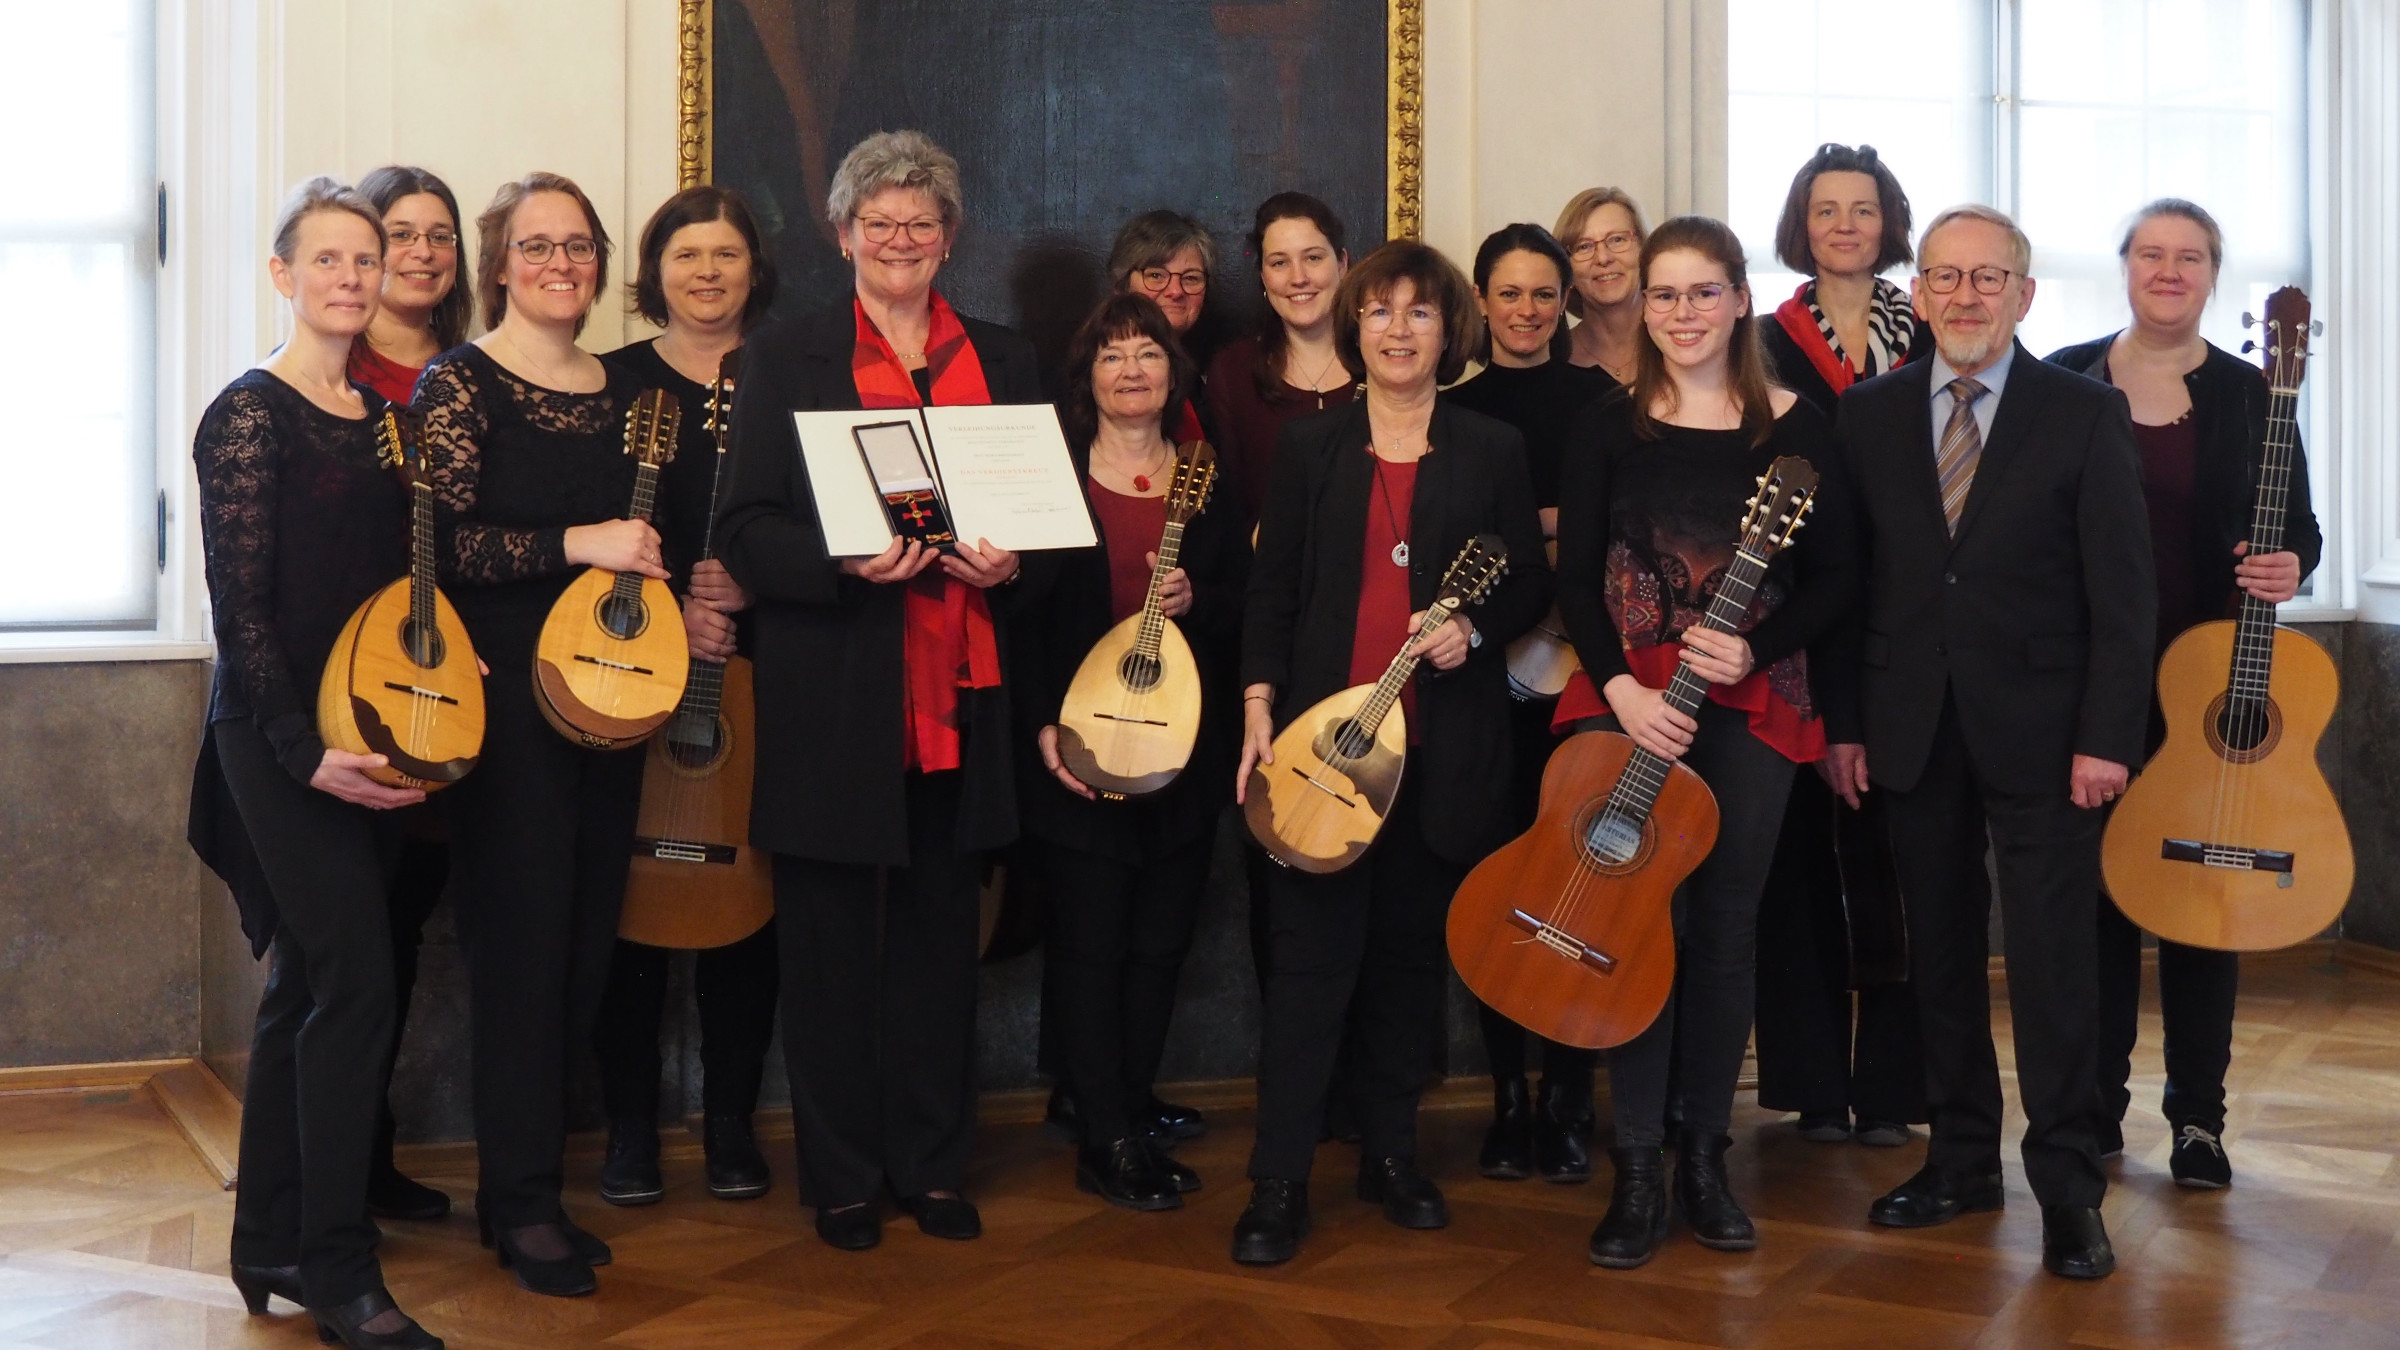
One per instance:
(1067, 117)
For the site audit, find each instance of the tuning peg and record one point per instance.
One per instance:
(2316, 327)
(2248, 347)
(2248, 320)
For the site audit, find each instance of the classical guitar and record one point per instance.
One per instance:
(695, 879)
(611, 662)
(1129, 718)
(2230, 837)
(1337, 765)
(403, 681)
(1541, 660)
(1569, 929)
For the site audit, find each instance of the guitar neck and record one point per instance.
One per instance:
(1396, 675)
(1638, 786)
(2254, 629)
(1154, 619)
(703, 690)
(720, 412)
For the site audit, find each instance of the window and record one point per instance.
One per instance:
(79, 545)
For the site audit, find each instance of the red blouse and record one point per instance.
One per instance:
(1383, 606)
(1132, 527)
(380, 373)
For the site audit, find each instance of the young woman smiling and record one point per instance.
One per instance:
(1290, 367)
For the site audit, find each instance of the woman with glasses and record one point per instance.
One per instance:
(525, 440)
(1290, 366)
(1650, 508)
(1169, 257)
(885, 751)
(1366, 507)
(1602, 230)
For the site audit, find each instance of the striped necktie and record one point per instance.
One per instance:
(1962, 445)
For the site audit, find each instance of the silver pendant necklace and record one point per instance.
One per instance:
(1399, 550)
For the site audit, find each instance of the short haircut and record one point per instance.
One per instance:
(1122, 315)
(315, 196)
(384, 188)
(1791, 232)
(699, 206)
(2020, 248)
(1433, 277)
(895, 159)
(492, 242)
(2177, 206)
(1579, 208)
(1151, 238)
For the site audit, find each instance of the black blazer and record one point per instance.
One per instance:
(2038, 618)
(2229, 410)
(1302, 609)
(830, 783)
(1063, 611)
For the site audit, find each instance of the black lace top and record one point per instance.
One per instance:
(300, 524)
(685, 484)
(514, 465)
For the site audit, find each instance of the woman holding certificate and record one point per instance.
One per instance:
(884, 759)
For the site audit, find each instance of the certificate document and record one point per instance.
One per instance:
(851, 512)
(1005, 476)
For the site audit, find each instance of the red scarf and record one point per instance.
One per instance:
(1801, 323)
(947, 640)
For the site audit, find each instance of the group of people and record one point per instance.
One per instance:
(1965, 629)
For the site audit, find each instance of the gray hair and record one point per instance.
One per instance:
(2020, 248)
(2177, 206)
(322, 193)
(1151, 238)
(894, 159)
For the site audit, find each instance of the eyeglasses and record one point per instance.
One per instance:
(1615, 241)
(1156, 279)
(1988, 280)
(580, 249)
(1112, 362)
(1383, 318)
(881, 230)
(436, 239)
(1705, 297)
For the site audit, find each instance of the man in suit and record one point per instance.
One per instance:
(1995, 687)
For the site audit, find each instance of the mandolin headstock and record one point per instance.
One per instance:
(398, 444)
(651, 426)
(1194, 476)
(1785, 493)
(1472, 574)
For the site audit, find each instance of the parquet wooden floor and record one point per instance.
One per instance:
(113, 1237)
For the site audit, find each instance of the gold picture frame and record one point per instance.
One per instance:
(1404, 181)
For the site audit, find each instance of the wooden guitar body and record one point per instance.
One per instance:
(695, 879)
(1127, 725)
(612, 659)
(2232, 847)
(1564, 942)
(377, 698)
(1308, 812)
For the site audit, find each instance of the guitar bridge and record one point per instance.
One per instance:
(2225, 856)
(685, 851)
(1560, 941)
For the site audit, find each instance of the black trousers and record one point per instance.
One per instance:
(1361, 948)
(879, 984)
(734, 986)
(417, 883)
(1565, 1067)
(1118, 934)
(2196, 988)
(324, 1023)
(2049, 860)
(1822, 1048)
(1693, 1053)
(541, 834)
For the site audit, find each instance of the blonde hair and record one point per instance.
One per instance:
(1579, 208)
(315, 196)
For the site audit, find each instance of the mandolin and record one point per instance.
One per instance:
(1569, 929)
(612, 659)
(695, 880)
(2230, 838)
(403, 681)
(1541, 661)
(1131, 714)
(1337, 765)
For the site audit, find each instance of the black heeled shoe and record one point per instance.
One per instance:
(1562, 1133)
(256, 1282)
(1508, 1146)
(346, 1324)
(559, 1277)
(1706, 1196)
(589, 1249)
(1123, 1174)
(1636, 1222)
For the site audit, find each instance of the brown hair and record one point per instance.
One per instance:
(1791, 232)
(1274, 340)
(384, 188)
(492, 242)
(1434, 278)
(1579, 208)
(2188, 210)
(1124, 314)
(699, 206)
(1746, 361)
(313, 197)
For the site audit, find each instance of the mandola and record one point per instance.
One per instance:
(1569, 928)
(403, 681)
(1129, 719)
(612, 659)
(2230, 838)
(1337, 765)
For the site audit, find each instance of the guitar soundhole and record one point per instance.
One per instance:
(423, 643)
(1138, 672)
(695, 742)
(621, 616)
(1613, 843)
(2244, 732)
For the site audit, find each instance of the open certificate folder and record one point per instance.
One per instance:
(997, 472)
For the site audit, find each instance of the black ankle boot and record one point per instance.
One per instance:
(1636, 1221)
(736, 1170)
(1707, 1199)
(1508, 1146)
(1562, 1133)
(629, 1174)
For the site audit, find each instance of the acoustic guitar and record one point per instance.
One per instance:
(1131, 714)
(1569, 928)
(1541, 661)
(403, 681)
(2230, 837)
(611, 662)
(695, 880)
(1337, 765)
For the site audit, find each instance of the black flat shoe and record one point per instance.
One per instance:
(1185, 1179)
(1123, 1174)
(2075, 1243)
(559, 1277)
(736, 1169)
(256, 1282)
(951, 1217)
(629, 1175)
(1272, 1224)
(345, 1324)
(1171, 1122)
(1508, 1146)
(2199, 1160)
(1562, 1133)
(1409, 1198)
(391, 1195)
(1706, 1196)
(852, 1229)
(1934, 1196)
(589, 1249)
(1636, 1222)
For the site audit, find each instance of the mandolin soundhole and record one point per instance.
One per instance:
(2244, 733)
(1139, 673)
(423, 643)
(621, 616)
